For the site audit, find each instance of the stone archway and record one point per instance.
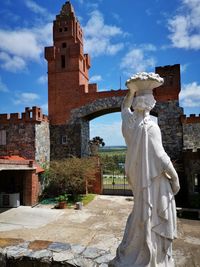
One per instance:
(76, 130)
(72, 138)
(91, 111)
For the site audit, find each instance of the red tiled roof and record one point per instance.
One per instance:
(15, 159)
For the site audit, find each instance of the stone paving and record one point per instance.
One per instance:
(90, 236)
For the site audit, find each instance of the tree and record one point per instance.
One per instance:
(94, 145)
(71, 175)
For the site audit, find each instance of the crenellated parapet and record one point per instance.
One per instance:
(191, 132)
(31, 115)
(171, 88)
(191, 119)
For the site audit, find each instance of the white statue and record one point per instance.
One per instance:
(151, 226)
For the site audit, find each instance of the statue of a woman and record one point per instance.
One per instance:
(151, 226)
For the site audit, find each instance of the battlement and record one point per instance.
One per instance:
(172, 86)
(192, 119)
(33, 115)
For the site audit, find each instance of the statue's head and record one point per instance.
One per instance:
(144, 102)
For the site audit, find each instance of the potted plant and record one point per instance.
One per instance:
(94, 145)
(62, 201)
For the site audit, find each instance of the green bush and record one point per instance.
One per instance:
(72, 176)
(62, 198)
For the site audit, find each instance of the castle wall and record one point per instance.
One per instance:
(192, 171)
(65, 140)
(77, 130)
(26, 135)
(171, 127)
(20, 140)
(42, 142)
(191, 132)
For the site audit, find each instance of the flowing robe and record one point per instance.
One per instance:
(151, 226)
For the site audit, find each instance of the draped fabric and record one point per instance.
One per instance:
(151, 226)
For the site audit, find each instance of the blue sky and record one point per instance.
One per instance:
(122, 38)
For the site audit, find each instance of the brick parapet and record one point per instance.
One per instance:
(31, 115)
(191, 119)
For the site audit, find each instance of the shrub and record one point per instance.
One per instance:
(62, 198)
(72, 176)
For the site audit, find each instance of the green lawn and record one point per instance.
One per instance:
(85, 199)
(112, 151)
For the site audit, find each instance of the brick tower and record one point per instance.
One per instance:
(67, 66)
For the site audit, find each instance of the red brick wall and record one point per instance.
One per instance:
(31, 188)
(97, 183)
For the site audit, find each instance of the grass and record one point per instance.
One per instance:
(85, 199)
(113, 152)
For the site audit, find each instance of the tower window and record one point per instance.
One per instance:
(60, 29)
(62, 61)
(66, 29)
(64, 140)
(64, 45)
(196, 183)
(84, 65)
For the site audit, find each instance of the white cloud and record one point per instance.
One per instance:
(137, 60)
(21, 43)
(3, 87)
(111, 133)
(39, 10)
(190, 95)
(148, 47)
(185, 26)
(42, 79)
(98, 36)
(116, 17)
(26, 98)
(20, 46)
(11, 63)
(35, 7)
(184, 67)
(95, 78)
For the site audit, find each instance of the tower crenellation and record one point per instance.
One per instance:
(172, 83)
(30, 115)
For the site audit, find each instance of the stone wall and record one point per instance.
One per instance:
(191, 136)
(27, 134)
(72, 135)
(42, 142)
(17, 252)
(77, 130)
(169, 114)
(192, 171)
